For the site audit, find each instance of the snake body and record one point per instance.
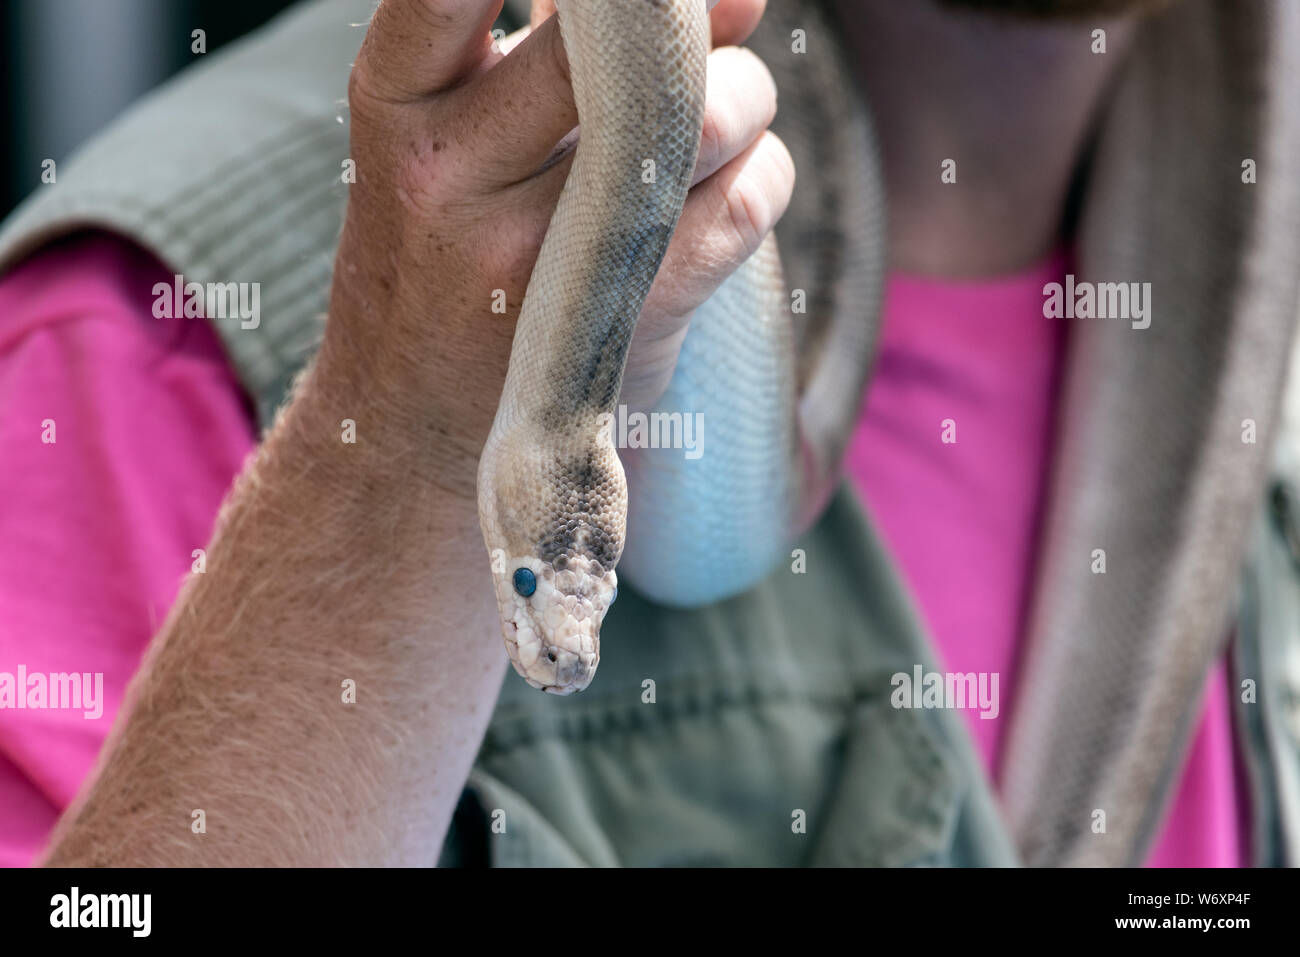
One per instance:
(558, 512)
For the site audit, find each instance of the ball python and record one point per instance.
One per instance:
(558, 512)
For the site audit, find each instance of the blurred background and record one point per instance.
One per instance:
(70, 66)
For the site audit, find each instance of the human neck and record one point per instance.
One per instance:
(1011, 101)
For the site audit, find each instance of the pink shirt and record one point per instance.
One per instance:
(149, 427)
(962, 517)
(96, 527)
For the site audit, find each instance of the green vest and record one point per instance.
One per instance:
(761, 731)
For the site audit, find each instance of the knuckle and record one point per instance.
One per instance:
(363, 98)
(396, 18)
(774, 151)
(415, 156)
(749, 212)
(749, 78)
(741, 103)
(713, 136)
(507, 250)
(414, 184)
(758, 71)
(442, 14)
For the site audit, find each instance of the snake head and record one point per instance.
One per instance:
(551, 614)
(553, 514)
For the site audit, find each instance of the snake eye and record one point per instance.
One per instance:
(614, 597)
(525, 581)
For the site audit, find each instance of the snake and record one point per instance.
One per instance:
(562, 509)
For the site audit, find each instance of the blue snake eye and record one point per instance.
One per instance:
(525, 581)
(614, 597)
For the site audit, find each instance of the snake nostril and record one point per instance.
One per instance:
(550, 656)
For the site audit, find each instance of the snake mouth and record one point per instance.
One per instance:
(552, 628)
(555, 670)
(557, 654)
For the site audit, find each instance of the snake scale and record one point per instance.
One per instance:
(557, 510)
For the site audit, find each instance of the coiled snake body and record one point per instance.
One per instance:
(554, 500)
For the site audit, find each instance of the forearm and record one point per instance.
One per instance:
(332, 561)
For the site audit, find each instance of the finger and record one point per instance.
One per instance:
(725, 220)
(724, 223)
(532, 84)
(541, 9)
(414, 48)
(739, 105)
(732, 21)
